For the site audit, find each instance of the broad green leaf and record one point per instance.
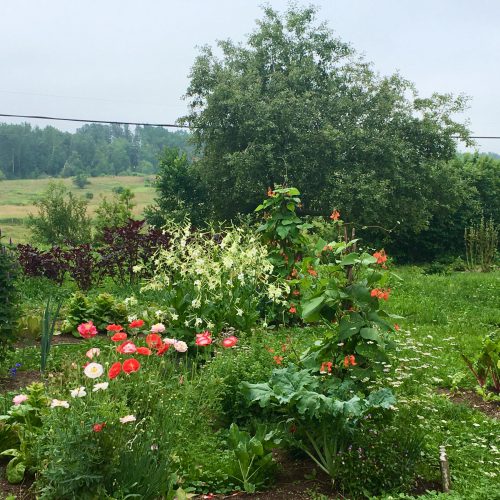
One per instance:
(256, 392)
(350, 259)
(15, 470)
(383, 398)
(369, 333)
(311, 306)
(255, 447)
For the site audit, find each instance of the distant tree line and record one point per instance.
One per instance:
(28, 152)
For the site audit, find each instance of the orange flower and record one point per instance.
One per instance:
(312, 272)
(296, 293)
(326, 367)
(278, 359)
(380, 256)
(350, 361)
(292, 309)
(270, 192)
(335, 215)
(381, 293)
(397, 327)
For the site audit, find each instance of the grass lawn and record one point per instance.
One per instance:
(17, 198)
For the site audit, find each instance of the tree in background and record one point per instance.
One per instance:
(94, 149)
(178, 186)
(115, 212)
(61, 218)
(297, 106)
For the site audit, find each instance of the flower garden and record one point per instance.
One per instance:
(287, 358)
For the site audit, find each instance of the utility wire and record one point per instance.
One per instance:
(95, 121)
(170, 124)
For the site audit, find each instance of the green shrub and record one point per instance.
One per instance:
(8, 300)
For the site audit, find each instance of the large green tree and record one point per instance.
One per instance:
(295, 105)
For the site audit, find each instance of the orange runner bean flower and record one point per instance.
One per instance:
(335, 215)
(350, 361)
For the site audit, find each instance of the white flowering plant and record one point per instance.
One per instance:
(216, 280)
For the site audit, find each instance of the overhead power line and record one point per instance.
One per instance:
(81, 120)
(114, 122)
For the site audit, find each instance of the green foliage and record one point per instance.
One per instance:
(9, 298)
(24, 423)
(62, 217)
(48, 327)
(31, 152)
(481, 243)
(323, 410)
(115, 212)
(253, 455)
(297, 106)
(177, 186)
(102, 310)
(486, 368)
(282, 229)
(80, 181)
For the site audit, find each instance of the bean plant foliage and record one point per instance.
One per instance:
(339, 379)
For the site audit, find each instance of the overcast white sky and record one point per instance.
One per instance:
(129, 59)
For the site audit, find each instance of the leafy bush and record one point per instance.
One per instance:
(122, 249)
(62, 218)
(8, 299)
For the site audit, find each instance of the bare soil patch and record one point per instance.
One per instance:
(474, 400)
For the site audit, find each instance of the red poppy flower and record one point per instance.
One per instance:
(292, 309)
(87, 330)
(131, 365)
(163, 349)
(296, 293)
(144, 351)
(114, 370)
(154, 340)
(335, 215)
(136, 323)
(203, 339)
(98, 427)
(127, 347)
(230, 341)
(119, 336)
(114, 328)
(278, 359)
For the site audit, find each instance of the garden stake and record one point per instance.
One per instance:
(445, 469)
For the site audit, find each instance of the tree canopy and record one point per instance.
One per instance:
(296, 105)
(31, 152)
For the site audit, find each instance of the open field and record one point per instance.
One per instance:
(17, 198)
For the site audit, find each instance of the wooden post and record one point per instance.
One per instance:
(445, 469)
